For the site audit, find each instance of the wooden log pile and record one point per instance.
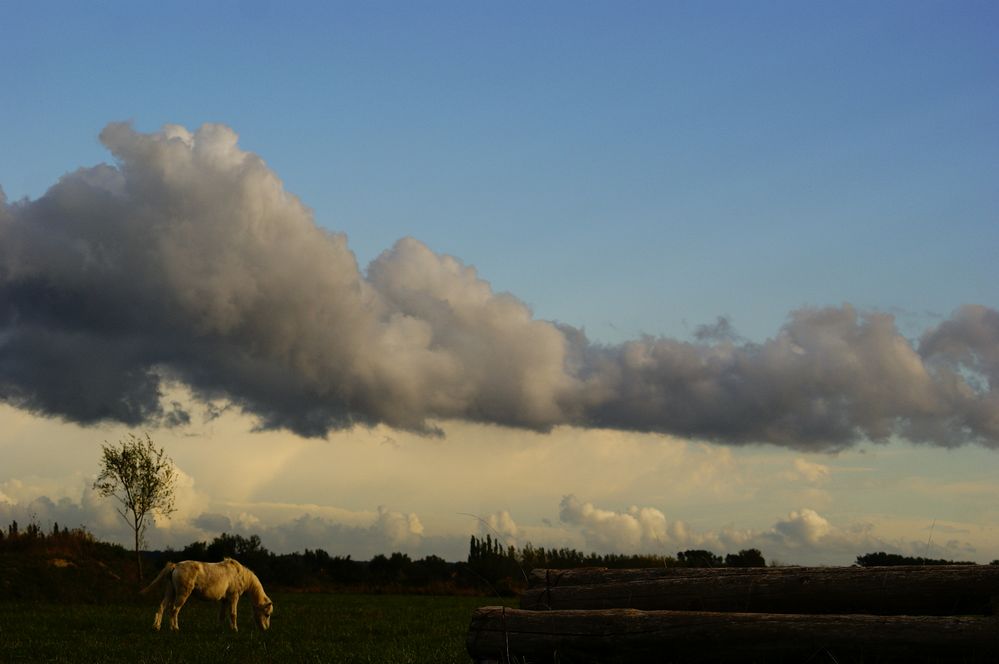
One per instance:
(936, 591)
(790, 614)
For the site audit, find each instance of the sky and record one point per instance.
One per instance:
(630, 278)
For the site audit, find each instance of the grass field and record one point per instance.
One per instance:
(305, 628)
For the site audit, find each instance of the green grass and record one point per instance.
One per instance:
(305, 628)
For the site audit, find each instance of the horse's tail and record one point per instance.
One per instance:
(167, 569)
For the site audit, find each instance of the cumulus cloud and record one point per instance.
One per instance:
(78, 506)
(399, 528)
(212, 522)
(389, 531)
(646, 530)
(637, 529)
(806, 536)
(806, 527)
(502, 527)
(721, 330)
(501, 523)
(187, 261)
(816, 473)
(73, 502)
(362, 534)
(803, 536)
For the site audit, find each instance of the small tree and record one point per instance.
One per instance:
(746, 558)
(143, 479)
(699, 558)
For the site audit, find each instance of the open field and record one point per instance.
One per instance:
(305, 628)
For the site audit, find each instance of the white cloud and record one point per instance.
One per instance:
(86, 509)
(805, 527)
(640, 487)
(804, 536)
(189, 501)
(638, 529)
(247, 522)
(361, 535)
(400, 529)
(816, 473)
(502, 524)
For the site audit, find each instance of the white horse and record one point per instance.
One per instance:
(223, 582)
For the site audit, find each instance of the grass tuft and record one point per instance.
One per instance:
(312, 627)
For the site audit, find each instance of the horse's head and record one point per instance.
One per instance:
(262, 613)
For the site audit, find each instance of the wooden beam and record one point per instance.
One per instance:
(588, 576)
(500, 635)
(929, 590)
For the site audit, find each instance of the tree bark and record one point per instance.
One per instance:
(499, 635)
(138, 561)
(588, 576)
(930, 590)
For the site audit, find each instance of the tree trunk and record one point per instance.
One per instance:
(929, 590)
(500, 635)
(138, 561)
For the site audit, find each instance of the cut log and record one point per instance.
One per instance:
(499, 634)
(589, 576)
(931, 590)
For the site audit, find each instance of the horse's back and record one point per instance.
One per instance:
(217, 580)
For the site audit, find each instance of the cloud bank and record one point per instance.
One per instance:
(802, 537)
(187, 261)
(358, 534)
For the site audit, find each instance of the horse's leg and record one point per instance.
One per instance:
(231, 602)
(223, 610)
(180, 596)
(167, 599)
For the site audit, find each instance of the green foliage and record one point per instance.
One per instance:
(532, 557)
(699, 558)
(505, 567)
(746, 558)
(66, 565)
(76, 542)
(142, 479)
(495, 565)
(316, 569)
(882, 559)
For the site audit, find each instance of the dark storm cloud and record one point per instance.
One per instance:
(828, 378)
(187, 261)
(212, 522)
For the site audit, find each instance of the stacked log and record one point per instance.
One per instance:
(499, 634)
(789, 614)
(932, 590)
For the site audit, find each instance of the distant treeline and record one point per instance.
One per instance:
(509, 566)
(882, 559)
(58, 541)
(318, 570)
(491, 567)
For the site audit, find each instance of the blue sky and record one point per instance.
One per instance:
(628, 168)
(672, 161)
